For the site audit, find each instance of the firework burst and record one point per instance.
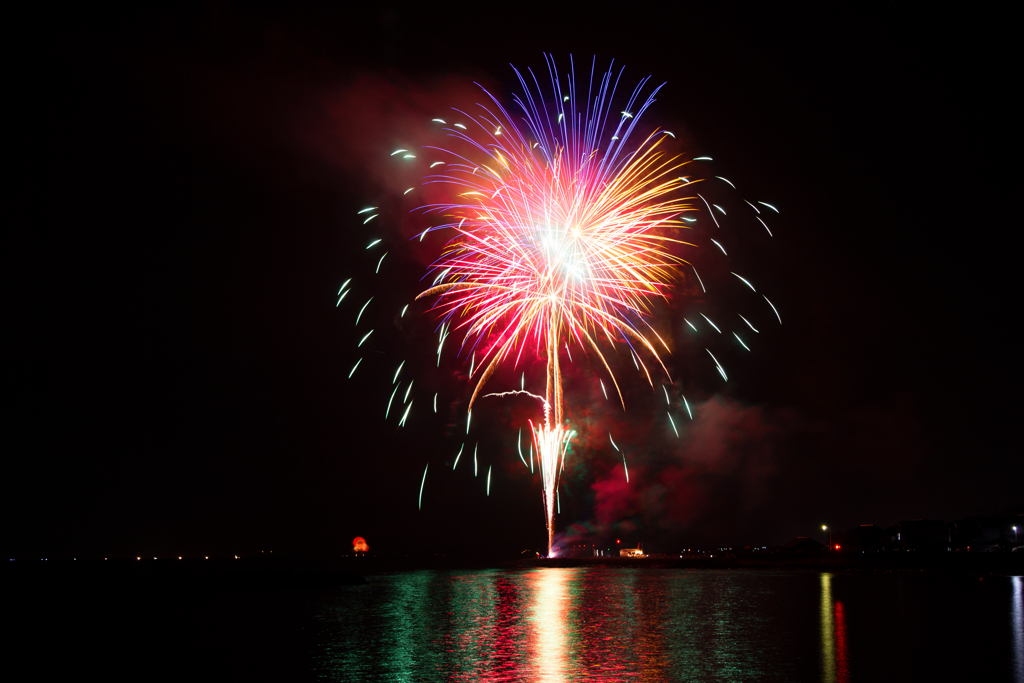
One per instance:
(564, 231)
(563, 225)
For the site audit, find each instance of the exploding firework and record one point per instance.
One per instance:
(564, 224)
(563, 231)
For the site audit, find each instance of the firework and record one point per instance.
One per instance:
(564, 231)
(563, 226)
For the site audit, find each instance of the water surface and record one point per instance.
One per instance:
(562, 624)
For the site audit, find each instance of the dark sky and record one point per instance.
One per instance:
(190, 179)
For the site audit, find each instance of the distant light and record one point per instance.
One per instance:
(823, 527)
(179, 557)
(207, 557)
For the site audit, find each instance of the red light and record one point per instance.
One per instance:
(837, 546)
(618, 541)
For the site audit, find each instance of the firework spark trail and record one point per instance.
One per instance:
(405, 415)
(520, 391)
(519, 446)
(424, 481)
(390, 400)
(747, 322)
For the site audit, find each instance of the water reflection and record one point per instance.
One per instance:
(549, 611)
(842, 652)
(651, 625)
(835, 655)
(508, 628)
(1017, 625)
(828, 639)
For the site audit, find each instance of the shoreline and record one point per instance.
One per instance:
(263, 573)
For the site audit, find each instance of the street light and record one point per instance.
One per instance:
(825, 528)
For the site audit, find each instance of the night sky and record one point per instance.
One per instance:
(188, 182)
